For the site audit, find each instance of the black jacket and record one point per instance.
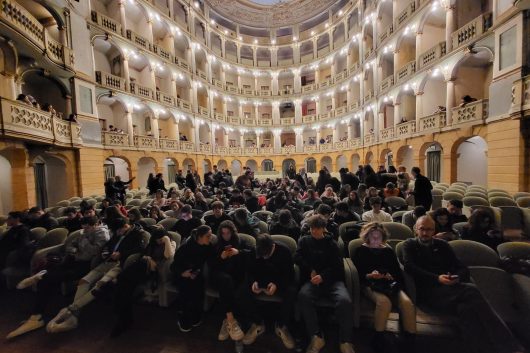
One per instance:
(277, 269)
(132, 243)
(19, 242)
(190, 256)
(350, 179)
(252, 204)
(190, 182)
(214, 222)
(184, 227)
(320, 255)
(422, 191)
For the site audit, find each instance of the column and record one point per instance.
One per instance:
(299, 140)
(336, 137)
(379, 121)
(126, 74)
(193, 98)
(170, 5)
(241, 139)
(130, 129)
(171, 43)
(154, 126)
(150, 30)
(276, 113)
(348, 57)
(238, 53)
(210, 104)
(258, 136)
(318, 138)
(223, 49)
(297, 81)
(450, 26)
(274, 57)
(255, 56)
(193, 137)
(317, 76)
(333, 101)
(350, 130)
(419, 36)
(225, 138)
(121, 5)
(68, 105)
(296, 53)
(62, 36)
(450, 101)
(419, 107)
(240, 110)
(397, 113)
(315, 49)
(275, 87)
(225, 108)
(349, 96)
(277, 140)
(396, 67)
(192, 63)
(173, 90)
(256, 112)
(297, 111)
(174, 129)
(317, 107)
(152, 72)
(209, 68)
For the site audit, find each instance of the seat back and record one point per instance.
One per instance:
(475, 201)
(523, 201)
(38, 232)
(450, 195)
(515, 249)
(76, 203)
(249, 239)
(398, 230)
(263, 228)
(289, 242)
(349, 231)
(353, 246)
(53, 237)
(63, 203)
(262, 215)
(146, 222)
(396, 202)
(197, 213)
(459, 227)
(498, 201)
(398, 216)
(134, 202)
(498, 194)
(175, 237)
(437, 192)
(472, 253)
(520, 194)
(168, 223)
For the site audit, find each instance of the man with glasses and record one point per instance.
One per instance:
(443, 284)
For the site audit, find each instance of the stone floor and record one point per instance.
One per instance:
(155, 331)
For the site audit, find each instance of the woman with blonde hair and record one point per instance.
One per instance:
(382, 281)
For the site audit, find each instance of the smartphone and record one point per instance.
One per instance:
(228, 247)
(453, 277)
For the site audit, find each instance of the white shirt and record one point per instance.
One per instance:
(382, 216)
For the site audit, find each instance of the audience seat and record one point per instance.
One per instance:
(172, 214)
(498, 201)
(476, 193)
(133, 203)
(523, 201)
(75, 198)
(398, 230)
(477, 187)
(263, 215)
(38, 232)
(53, 237)
(398, 216)
(396, 203)
(513, 222)
(448, 196)
(459, 183)
(146, 222)
(470, 201)
(520, 194)
(458, 228)
(263, 227)
(64, 203)
(168, 223)
(75, 203)
(347, 232)
(472, 253)
(145, 203)
(167, 292)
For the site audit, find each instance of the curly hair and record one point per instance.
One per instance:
(368, 228)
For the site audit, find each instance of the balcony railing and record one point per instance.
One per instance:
(165, 98)
(140, 90)
(164, 54)
(202, 75)
(521, 95)
(387, 32)
(432, 122)
(20, 18)
(309, 118)
(369, 139)
(405, 129)
(406, 13)
(221, 150)
(204, 111)
(471, 30)
(324, 147)
(205, 148)
(266, 150)
(472, 112)
(250, 151)
(287, 121)
(356, 142)
(311, 148)
(265, 122)
(169, 144)
(341, 145)
(369, 95)
(325, 116)
(106, 22)
(386, 134)
(387, 83)
(23, 121)
(183, 104)
(355, 105)
(110, 81)
(406, 71)
(115, 139)
(145, 142)
(432, 55)
(288, 149)
(235, 150)
(139, 40)
(187, 146)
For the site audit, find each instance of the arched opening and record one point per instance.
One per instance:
(264, 57)
(45, 90)
(222, 165)
(431, 158)
(323, 45)
(472, 161)
(171, 167)
(115, 166)
(285, 56)
(188, 164)
(433, 99)
(326, 162)
(146, 165)
(306, 51)
(206, 165)
(235, 167)
(311, 165)
(342, 162)
(252, 164)
(386, 158)
(338, 35)
(267, 165)
(355, 162)
(51, 182)
(247, 55)
(286, 164)
(231, 51)
(6, 191)
(405, 157)
(369, 158)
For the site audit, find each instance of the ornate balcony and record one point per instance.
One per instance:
(161, 52)
(311, 148)
(168, 144)
(287, 121)
(386, 83)
(309, 88)
(145, 142)
(202, 75)
(386, 134)
(106, 22)
(369, 95)
(325, 116)
(471, 30)
(222, 150)
(309, 118)
(115, 139)
(521, 95)
(324, 147)
(235, 150)
(432, 55)
(183, 104)
(387, 32)
(204, 111)
(341, 111)
(20, 120)
(141, 91)
(288, 149)
(110, 81)
(406, 71)
(264, 122)
(182, 64)
(187, 146)
(432, 122)
(369, 139)
(405, 129)
(474, 112)
(250, 151)
(205, 148)
(356, 142)
(165, 98)
(139, 40)
(341, 145)
(405, 14)
(266, 150)
(355, 105)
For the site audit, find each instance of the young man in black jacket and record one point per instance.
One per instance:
(213, 220)
(272, 273)
(422, 189)
(17, 244)
(322, 275)
(443, 283)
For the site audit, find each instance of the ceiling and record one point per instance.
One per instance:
(269, 13)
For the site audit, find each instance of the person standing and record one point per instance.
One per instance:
(422, 189)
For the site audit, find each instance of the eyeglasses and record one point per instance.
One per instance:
(421, 229)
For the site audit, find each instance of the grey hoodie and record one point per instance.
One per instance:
(88, 244)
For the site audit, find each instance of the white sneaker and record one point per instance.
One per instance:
(223, 333)
(285, 336)
(234, 330)
(346, 347)
(316, 344)
(33, 323)
(253, 332)
(30, 281)
(64, 321)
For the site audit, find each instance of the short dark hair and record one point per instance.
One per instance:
(264, 244)
(118, 223)
(16, 214)
(284, 216)
(35, 209)
(324, 209)
(247, 192)
(185, 209)
(317, 221)
(416, 170)
(419, 211)
(375, 201)
(218, 204)
(342, 206)
(89, 221)
(70, 209)
(456, 203)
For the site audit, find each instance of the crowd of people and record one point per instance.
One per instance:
(112, 254)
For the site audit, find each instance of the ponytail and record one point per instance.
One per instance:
(200, 231)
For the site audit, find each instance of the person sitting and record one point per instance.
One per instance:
(73, 219)
(156, 214)
(283, 223)
(251, 201)
(244, 222)
(343, 214)
(200, 202)
(186, 269)
(382, 281)
(410, 217)
(443, 225)
(322, 275)
(236, 200)
(228, 268)
(24, 99)
(354, 202)
(72, 265)
(372, 192)
(443, 284)
(329, 197)
(271, 273)
(376, 214)
(188, 197)
(17, 244)
(465, 100)
(159, 199)
(36, 217)
(391, 191)
(186, 223)
(455, 210)
(160, 249)
(325, 212)
(126, 241)
(218, 215)
(482, 228)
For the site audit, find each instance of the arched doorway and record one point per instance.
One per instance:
(235, 167)
(252, 164)
(432, 154)
(472, 161)
(206, 165)
(188, 164)
(6, 191)
(267, 165)
(341, 162)
(51, 183)
(170, 169)
(146, 165)
(326, 162)
(115, 166)
(355, 162)
(222, 165)
(286, 164)
(369, 158)
(311, 165)
(405, 157)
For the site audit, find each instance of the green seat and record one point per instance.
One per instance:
(472, 253)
